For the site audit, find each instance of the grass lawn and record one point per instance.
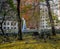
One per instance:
(30, 43)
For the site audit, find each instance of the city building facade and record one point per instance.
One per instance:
(10, 26)
(44, 16)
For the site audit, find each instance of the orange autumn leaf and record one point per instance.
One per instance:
(26, 17)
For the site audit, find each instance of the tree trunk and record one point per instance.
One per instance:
(19, 21)
(2, 29)
(2, 23)
(50, 17)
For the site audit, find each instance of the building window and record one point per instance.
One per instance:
(4, 27)
(11, 23)
(46, 17)
(46, 26)
(42, 20)
(15, 23)
(14, 27)
(56, 25)
(11, 27)
(43, 16)
(42, 26)
(7, 27)
(8, 23)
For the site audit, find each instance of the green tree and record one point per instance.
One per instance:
(7, 7)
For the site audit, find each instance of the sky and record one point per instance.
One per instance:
(58, 18)
(59, 15)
